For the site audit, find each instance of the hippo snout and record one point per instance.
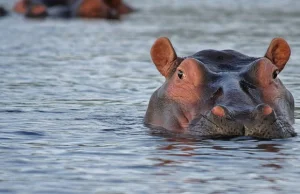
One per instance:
(266, 124)
(262, 122)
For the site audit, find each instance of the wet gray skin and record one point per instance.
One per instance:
(218, 94)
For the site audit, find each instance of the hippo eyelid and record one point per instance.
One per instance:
(275, 74)
(180, 74)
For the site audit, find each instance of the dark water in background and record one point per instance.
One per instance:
(73, 95)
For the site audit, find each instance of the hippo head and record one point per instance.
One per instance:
(31, 9)
(21, 6)
(97, 9)
(222, 93)
(36, 11)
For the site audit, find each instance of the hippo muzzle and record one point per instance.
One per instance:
(262, 123)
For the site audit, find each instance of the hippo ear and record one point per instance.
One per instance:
(278, 52)
(163, 55)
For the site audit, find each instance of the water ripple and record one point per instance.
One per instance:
(74, 94)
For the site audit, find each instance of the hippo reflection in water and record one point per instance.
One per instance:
(107, 9)
(222, 93)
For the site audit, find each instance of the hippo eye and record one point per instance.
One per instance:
(275, 73)
(180, 74)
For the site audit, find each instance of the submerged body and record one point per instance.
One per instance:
(107, 9)
(222, 93)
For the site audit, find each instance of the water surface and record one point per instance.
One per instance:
(73, 94)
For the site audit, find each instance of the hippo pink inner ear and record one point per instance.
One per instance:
(163, 55)
(278, 52)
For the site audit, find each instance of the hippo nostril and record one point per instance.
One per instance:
(267, 110)
(263, 109)
(218, 111)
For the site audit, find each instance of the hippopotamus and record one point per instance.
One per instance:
(3, 12)
(108, 9)
(221, 93)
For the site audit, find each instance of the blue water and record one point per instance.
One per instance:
(73, 94)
